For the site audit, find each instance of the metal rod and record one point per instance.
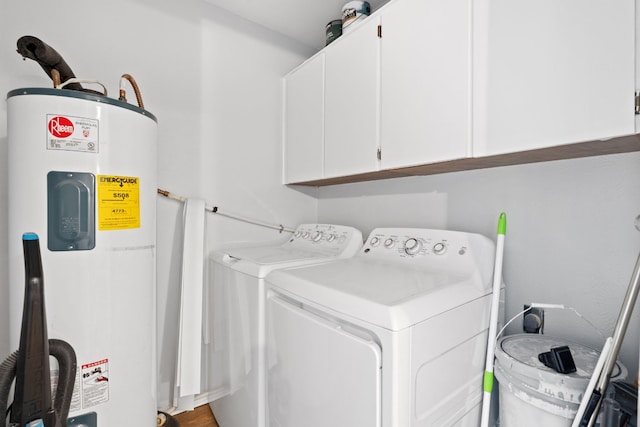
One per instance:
(216, 210)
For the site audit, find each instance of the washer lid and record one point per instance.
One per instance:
(311, 243)
(260, 261)
(388, 295)
(269, 255)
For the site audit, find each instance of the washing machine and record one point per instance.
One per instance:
(395, 336)
(237, 300)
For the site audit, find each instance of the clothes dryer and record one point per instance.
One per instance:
(393, 337)
(237, 362)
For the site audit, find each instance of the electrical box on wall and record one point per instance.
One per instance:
(533, 320)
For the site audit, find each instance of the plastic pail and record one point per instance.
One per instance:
(531, 394)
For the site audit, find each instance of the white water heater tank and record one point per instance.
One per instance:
(82, 175)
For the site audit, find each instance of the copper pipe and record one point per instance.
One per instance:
(55, 76)
(136, 90)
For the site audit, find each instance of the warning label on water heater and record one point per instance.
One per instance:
(118, 202)
(95, 383)
(68, 133)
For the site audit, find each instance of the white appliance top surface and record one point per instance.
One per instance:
(310, 243)
(266, 255)
(385, 286)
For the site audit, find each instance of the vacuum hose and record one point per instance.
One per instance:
(7, 374)
(49, 59)
(66, 357)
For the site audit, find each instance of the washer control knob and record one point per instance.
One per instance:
(439, 248)
(305, 234)
(331, 237)
(375, 241)
(412, 246)
(317, 236)
(389, 243)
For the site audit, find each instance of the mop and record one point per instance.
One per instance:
(606, 350)
(593, 401)
(493, 321)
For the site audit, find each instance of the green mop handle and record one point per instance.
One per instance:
(493, 321)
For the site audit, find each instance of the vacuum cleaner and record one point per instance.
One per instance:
(32, 404)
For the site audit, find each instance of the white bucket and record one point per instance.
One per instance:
(532, 394)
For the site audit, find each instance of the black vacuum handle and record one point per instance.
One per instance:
(32, 398)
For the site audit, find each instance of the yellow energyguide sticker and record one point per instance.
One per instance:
(118, 202)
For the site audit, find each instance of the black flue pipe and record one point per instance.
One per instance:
(48, 58)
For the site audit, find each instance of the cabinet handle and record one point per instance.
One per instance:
(379, 31)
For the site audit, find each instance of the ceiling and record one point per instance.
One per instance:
(303, 21)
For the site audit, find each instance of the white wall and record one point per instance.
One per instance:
(571, 235)
(214, 82)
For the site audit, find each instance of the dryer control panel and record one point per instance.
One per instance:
(428, 248)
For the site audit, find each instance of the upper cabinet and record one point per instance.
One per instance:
(429, 86)
(425, 82)
(549, 73)
(351, 102)
(304, 122)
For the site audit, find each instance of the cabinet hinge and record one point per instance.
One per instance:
(379, 154)
(379, 31)
(637, 109)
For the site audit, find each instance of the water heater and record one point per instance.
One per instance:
(82, 175)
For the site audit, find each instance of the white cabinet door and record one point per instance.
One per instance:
(351, 102)
(304, 122)
(425, 82)
(550, 72)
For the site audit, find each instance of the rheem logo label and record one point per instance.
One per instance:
(60, 127)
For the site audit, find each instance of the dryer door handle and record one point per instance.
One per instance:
(324, 319)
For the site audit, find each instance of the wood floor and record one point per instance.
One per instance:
(200, 417)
